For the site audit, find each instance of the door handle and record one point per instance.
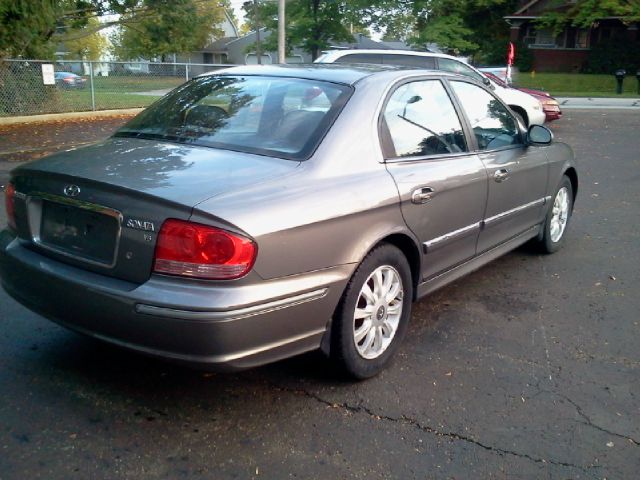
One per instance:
(501, 175)
(422, 195)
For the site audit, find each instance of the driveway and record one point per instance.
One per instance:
(526, 369)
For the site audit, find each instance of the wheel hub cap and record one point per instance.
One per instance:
(378, 312)
(559, 214)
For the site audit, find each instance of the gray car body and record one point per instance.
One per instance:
(313, 222)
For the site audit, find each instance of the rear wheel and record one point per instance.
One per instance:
(373, 314)
(558, 216)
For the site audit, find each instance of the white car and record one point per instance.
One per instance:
(528, 109)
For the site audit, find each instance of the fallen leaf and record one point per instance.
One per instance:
(609, 444)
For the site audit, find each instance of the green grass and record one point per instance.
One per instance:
(113, 92)
(142, 83)
(577, 85)
(80, 100)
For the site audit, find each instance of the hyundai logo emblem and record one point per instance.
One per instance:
(71, 190)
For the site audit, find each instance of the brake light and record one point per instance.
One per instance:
(199, 251)
(9, 202)
(68, 80)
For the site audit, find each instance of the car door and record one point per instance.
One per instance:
(517, 174)
(442, 186)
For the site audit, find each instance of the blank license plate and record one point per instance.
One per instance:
(80, 232)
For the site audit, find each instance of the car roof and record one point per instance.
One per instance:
(347, 74)
(342, 52)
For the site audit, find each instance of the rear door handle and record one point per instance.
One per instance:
(422, 195)
(501, 175)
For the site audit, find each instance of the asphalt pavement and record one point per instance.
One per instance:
(526, 369)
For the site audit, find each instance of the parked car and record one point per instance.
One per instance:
(69, 80)
(550, 105)
(500, 72)
(527, 109)
(229, 225)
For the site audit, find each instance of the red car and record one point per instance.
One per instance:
(550, 105)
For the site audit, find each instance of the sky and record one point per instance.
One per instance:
(237, 9)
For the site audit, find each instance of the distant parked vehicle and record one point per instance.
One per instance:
(69, 80)
(526, 108)
(500, 72)
(550, 105)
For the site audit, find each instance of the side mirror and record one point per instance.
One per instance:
(539, 135)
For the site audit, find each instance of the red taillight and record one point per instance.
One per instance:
(199, 251)
(9, 201)
(68, 80)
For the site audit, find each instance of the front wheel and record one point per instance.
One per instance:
(557, 220)
(373, 314)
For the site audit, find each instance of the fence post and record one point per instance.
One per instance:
(186, 72)
(93, 91)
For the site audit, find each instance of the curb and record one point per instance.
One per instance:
(68, 116)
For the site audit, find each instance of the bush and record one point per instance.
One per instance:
(611, 55)
(524, 58)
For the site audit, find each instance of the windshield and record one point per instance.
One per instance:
(283, 117)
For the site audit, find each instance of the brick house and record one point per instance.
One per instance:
(567, 51)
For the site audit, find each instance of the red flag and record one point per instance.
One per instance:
(511, 53)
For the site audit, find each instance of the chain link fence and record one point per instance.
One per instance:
(31, 87)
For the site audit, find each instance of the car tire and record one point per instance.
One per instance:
(373, 314)
(557, 220)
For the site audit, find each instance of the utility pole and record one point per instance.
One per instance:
(256, 16)
(282, 58)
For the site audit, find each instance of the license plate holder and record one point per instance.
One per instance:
(84, 233)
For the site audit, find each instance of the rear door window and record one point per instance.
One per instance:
(420, 119)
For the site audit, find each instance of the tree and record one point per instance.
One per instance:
(33, 28)
(459, 26)
(86, 46)
(310, 24)
(166, 27)
(583, 13)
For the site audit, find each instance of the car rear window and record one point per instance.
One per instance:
(283, 117)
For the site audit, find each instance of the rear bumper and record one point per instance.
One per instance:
(218, 327)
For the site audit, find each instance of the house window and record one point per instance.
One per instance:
(545, 37)
(207, 57)
(582, 38)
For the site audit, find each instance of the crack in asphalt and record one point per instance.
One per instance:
(590, 423)
(426, 428)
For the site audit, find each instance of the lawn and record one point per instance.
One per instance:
(577, 85)
(116, 92)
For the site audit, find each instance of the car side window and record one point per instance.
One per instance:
(454, 66)
(493, 124)
(360, 58)
(419, 119)
(418, 61)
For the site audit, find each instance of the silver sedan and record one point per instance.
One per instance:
(257, 213)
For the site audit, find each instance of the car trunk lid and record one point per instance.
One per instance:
(101, 207)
